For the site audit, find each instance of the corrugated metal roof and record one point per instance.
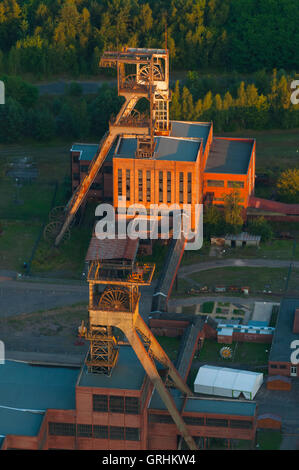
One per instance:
(273, 206)
(243, 237)
(108, 249)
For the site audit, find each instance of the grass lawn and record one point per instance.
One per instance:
(67, 260)
(255, 278)
(269, 440)
(16, 242)
(276, 249)
(170, 345)
(22, 222)
(244, 353)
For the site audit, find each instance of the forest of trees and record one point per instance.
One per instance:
(52, 37)
(259, 104)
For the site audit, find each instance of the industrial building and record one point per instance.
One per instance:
(132, 396)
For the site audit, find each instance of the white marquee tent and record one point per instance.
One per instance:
(227, 382)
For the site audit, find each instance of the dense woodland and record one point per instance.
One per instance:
(52, 37)
(247, 48)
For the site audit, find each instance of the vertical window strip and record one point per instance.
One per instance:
(128, 185)
(140, 185)
(160, 186)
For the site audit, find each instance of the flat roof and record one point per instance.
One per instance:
(167, 148)
(27, 391)
(128, 374)
(204, 405)
(283, 335)
(229, 156)
(225, 407)
(18, 422)
(87, 151)
(37, 387)
(198, 130)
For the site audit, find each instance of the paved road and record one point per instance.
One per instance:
(26, 297)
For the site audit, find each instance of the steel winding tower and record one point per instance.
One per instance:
(141, 73)
(118, 307)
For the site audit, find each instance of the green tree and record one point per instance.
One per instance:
(288, 185)
(233, 211)
(261, 227)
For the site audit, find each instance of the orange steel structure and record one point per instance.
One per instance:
(118, 307)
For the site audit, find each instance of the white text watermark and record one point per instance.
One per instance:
(158, 221)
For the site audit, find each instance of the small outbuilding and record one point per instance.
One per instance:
(227, 382)
(242, 239)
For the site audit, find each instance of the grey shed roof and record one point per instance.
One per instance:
(229, 156)
(283, 335)
(243, 237)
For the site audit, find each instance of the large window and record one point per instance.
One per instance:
(84, 430)
(132, 434)
(117, 433)
(132, 405)
(169, 187)
(100, 432)
(189, 188)
(239, 424)
(194, 421)
(140, 185)
(235, 184)
(181, 188)
(128, 185)
(117, 404)
(166, 419)
(222, 423)
(100, 403)
(62, 429)
(216, 183)
(148, 186)
(120, 182)
(160, 186)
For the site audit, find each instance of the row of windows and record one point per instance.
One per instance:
(95, 431)
(220, 184)
(275, 366)
(194, 421)
(147, 187)
(116, 404)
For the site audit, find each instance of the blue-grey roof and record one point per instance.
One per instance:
(156, 402)
(283, 336)
(26, 392)
(167, 148)
(24, 386)
(128, 374)
(198, 130)
(88, 151)
(229, 156)
(225, 407)
(21, 423)
(198, 405)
